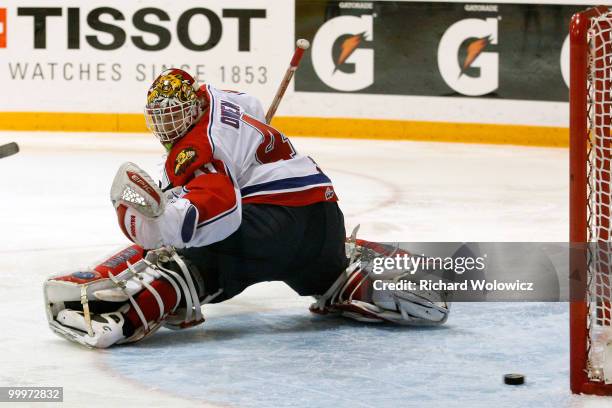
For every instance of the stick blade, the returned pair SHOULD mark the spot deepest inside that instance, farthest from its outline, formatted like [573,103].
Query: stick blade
[8,149]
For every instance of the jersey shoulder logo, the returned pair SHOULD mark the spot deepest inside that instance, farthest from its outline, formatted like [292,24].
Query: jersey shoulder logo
[184,159]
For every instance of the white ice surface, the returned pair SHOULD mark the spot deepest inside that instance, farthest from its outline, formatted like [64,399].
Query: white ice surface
[263,348]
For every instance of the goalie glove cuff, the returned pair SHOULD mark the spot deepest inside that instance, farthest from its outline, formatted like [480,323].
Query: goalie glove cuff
[175,227]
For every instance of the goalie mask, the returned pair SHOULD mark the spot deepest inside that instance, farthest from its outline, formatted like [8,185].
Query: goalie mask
[173,105]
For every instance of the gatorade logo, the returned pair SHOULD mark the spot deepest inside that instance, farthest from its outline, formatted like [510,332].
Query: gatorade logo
[338,55]
[464,58]
[565,61]
[2,28]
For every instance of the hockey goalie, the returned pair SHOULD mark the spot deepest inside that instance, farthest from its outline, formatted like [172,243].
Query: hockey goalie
[236,205]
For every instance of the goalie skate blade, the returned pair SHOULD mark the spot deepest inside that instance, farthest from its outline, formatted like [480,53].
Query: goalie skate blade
[8,149]
[514,379]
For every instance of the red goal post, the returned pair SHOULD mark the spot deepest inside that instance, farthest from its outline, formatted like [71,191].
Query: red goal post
[590,212]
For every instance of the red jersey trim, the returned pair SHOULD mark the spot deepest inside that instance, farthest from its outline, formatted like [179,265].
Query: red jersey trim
[295,198]
[213,195]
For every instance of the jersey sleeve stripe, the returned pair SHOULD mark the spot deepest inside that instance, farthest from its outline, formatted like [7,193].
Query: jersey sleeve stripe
[218,217]
[287,184]
[211,117]
[295,198]
[165,183]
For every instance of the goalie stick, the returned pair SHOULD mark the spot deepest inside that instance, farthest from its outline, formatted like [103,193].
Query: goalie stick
[302,45]
[8,149]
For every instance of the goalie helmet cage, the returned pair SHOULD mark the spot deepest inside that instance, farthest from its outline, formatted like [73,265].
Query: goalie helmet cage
[590,177]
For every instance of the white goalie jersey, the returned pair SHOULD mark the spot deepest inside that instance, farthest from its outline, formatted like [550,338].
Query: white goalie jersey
[229,158]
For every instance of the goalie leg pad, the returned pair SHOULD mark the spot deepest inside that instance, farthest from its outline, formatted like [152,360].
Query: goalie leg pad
[353,294]
[355,298]
[125,299]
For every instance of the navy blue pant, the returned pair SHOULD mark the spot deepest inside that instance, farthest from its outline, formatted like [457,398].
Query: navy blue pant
[301,246]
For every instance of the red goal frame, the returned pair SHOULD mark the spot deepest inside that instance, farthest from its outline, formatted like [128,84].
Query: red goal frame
[581,139]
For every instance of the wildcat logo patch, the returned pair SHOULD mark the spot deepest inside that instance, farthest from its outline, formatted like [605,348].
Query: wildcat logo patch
[184,159]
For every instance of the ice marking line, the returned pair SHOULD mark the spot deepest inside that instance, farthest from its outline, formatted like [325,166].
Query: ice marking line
[394,197]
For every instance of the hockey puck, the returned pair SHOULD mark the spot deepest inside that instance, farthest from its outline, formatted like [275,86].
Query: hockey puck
[514,379]
[8,149]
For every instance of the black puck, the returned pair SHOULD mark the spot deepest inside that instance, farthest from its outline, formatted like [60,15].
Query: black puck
[514,379]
